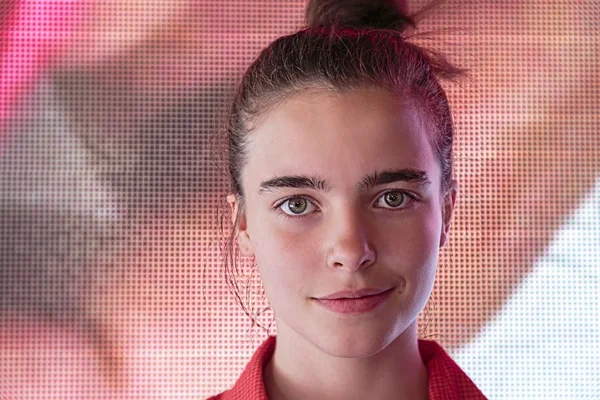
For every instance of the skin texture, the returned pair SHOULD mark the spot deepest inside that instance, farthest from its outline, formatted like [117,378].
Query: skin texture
[347,238]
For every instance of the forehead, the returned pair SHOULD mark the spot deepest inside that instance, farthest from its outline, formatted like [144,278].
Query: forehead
[339,135]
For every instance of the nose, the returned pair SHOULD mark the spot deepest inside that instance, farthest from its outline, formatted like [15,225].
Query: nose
[349,242]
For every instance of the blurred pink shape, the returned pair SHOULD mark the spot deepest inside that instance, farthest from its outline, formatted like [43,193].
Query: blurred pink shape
[34,36]
[43,34]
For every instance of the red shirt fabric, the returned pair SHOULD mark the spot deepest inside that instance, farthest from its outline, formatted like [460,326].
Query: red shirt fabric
[446,380]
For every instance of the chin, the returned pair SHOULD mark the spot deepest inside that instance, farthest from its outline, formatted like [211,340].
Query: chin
[353,341]
[350,346]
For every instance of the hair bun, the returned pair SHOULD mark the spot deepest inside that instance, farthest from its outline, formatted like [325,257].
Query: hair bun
[375,14]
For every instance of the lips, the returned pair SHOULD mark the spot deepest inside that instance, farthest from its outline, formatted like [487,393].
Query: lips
[362,301]
[353,293]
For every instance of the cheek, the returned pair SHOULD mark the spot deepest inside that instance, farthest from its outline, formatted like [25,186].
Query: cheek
[413,246]
[287,262]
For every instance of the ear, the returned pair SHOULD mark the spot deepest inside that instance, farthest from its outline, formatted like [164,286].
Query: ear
[238,217]
[447,210]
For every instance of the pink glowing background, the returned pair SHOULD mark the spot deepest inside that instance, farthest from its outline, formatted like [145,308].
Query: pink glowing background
[110,269]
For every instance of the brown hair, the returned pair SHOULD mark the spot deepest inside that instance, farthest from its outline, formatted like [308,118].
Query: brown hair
[346,45]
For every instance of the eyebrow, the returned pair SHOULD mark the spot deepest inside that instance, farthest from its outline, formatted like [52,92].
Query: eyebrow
[370,181]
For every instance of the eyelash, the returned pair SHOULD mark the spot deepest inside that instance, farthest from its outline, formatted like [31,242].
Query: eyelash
[412,199]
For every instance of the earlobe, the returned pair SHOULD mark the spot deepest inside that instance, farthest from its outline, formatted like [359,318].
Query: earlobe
[447,211]
[238,219]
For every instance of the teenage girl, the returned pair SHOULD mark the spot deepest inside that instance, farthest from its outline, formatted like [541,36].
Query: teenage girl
[340,160]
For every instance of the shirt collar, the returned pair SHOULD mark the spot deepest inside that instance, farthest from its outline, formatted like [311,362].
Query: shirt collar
[446,379]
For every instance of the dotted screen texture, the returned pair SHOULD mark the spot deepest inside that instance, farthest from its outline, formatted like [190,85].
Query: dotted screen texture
[112,253]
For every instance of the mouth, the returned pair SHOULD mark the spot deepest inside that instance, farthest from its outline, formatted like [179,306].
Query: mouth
[354,294]
[355,305]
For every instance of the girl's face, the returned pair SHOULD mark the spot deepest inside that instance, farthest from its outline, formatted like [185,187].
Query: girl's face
[343,192]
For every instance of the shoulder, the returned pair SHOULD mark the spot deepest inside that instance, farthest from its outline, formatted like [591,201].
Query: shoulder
[250,384]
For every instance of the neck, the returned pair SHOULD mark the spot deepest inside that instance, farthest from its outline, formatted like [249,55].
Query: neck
[300,370]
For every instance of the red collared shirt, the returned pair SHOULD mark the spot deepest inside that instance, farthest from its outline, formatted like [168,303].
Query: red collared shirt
[446,380]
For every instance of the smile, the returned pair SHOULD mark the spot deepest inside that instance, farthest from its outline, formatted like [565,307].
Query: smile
[357,305]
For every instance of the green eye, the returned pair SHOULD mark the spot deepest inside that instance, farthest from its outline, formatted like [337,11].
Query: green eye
[395,199]
[297,205]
